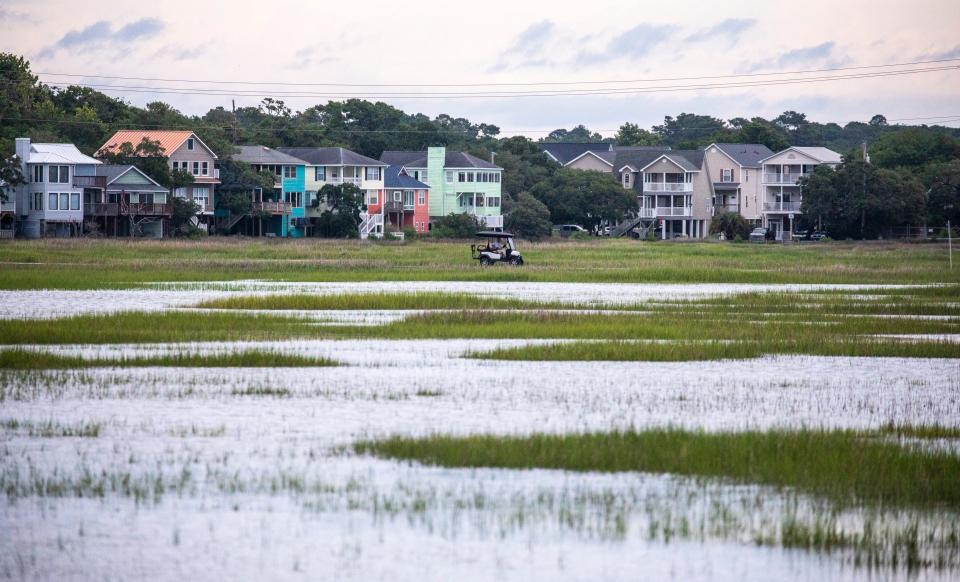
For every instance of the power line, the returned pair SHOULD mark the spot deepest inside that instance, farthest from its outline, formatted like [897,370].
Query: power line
[515,84]
[517,94]
[686,129]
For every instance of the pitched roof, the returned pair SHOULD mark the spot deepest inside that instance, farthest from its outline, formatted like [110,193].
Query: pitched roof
[821,154]
[396,177]
[745,154]
[57,153]
[689,160]
[419,160]
[258,154]
[114,171]
[565,153]
[330,157]
[170,140]
[606,157]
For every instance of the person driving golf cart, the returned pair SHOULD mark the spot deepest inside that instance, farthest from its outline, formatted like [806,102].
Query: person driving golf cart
[498,247]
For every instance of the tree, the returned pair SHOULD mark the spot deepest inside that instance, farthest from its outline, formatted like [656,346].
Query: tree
[455,226]
[859,200]
[578,134]
[528,218]
[688,130]
[11,175]
[759,130]
[731,224]
[585,198]
[344,204]
[182,213]
[878,120]
[630,134]
[913,148]
[148,157]
[523,163]
[943,199]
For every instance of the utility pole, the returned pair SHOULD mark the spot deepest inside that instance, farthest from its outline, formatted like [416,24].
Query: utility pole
[950,243]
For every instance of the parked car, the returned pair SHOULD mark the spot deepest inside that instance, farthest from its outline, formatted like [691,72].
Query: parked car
[817,235]
[566,230]
[758,234]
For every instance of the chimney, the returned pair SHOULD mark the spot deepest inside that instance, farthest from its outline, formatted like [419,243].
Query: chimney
[23,151]
[493,157]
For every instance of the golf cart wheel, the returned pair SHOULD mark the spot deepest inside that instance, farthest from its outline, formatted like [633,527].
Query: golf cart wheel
[485,261]
[517,261]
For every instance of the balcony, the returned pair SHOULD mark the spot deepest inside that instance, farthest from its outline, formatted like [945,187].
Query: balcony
[787,178]
[782,207]
[674,211]
[101,209]
[667,187]
[273,207]
[393,206]
[647,213]
[90,182]
[143,209]
[344,180]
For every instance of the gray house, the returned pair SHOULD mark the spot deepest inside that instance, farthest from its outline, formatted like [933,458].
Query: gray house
[131,203]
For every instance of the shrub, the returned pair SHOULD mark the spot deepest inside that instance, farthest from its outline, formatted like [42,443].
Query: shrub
[529,218]
[731,224]
[455,226]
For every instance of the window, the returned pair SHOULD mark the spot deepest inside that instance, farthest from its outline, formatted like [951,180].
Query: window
[746,175]
[38,200]
[190,144]
[461,176]
[469,176]
[496,177]
[449,177]
[196,168]
[373,197]
[334,174]
[408,198]
[160,198]
[201,196]
[626,179]
[726,175]
[64,201]
[493,201]
[295,199]
[52,205]
[180,192]
[204,168]
[397,195]
[74,201]
[38,174]
[373,173]
[59,174]
[479,200]
[421,197]
[320,174]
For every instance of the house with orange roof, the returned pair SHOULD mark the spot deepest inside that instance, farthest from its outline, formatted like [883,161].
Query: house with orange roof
[184,151]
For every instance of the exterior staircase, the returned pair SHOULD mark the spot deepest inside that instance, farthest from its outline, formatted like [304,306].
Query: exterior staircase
[371,224]
[643,222]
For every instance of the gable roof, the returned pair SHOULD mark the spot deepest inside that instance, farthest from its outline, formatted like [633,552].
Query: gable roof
[331,156]
[58,153]
[564,152]
[170,140]
[419,160]
[258,154]
[114,171]
[745,154]
[605,157]
[396,177]
[689,160]
[820,154]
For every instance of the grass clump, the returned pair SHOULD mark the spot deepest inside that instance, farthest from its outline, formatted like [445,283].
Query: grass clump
[19,359]
[845,466]
[52,429]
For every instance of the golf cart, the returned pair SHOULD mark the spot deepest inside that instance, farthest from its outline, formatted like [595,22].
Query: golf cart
[496,247]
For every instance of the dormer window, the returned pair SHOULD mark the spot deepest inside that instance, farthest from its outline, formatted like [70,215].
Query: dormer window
[626,179]
[190,144]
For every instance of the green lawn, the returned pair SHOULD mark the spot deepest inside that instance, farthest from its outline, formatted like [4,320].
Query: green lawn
[91,264]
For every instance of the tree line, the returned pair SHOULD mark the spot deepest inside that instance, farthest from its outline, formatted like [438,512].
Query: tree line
[536,192]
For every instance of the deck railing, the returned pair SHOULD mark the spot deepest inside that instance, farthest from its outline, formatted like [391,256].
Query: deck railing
[90,182]
[781,206]
[273,207]
[101,209]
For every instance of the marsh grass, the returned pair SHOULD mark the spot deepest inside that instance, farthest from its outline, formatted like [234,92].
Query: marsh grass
[19,359]
[51,428]
[844,466]
[381,301]
[90,264]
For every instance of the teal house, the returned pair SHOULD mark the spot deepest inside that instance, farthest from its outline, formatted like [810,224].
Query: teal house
[459,183]
[285,204]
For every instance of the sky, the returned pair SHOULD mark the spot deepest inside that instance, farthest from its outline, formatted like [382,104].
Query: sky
[518,41]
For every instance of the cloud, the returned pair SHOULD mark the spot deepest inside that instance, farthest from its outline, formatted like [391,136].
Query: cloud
[632,44]
[312,55]
[821,54]
[953,53]
[730,29]
[527,49]
[101,34]
[180,53]
[17,16]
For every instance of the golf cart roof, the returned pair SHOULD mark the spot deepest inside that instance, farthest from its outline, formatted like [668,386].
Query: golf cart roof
[494,234]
